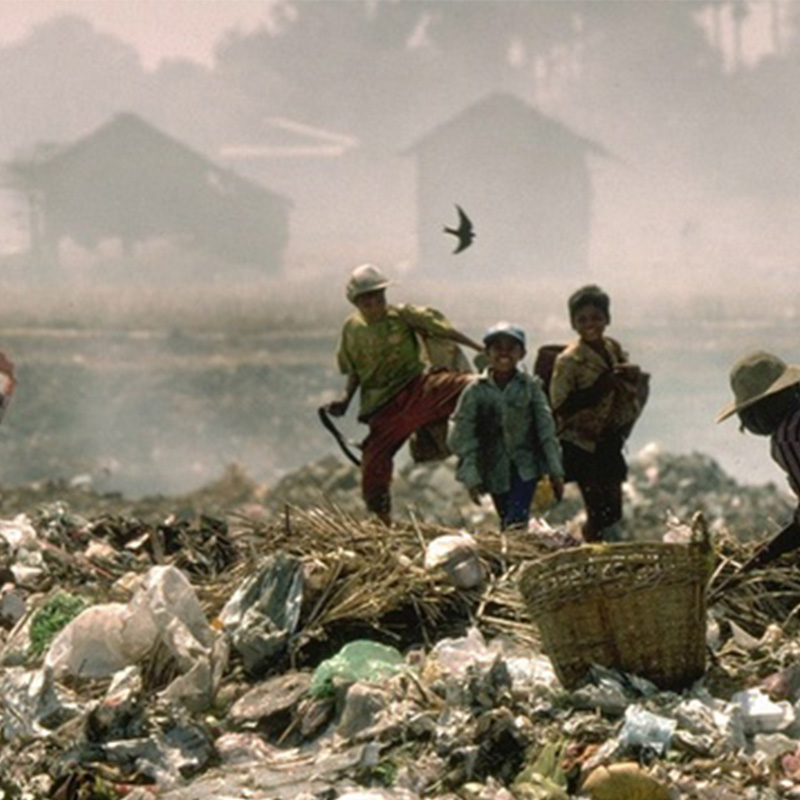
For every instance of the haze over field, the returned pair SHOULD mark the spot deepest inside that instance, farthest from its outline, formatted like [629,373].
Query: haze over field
[685,115]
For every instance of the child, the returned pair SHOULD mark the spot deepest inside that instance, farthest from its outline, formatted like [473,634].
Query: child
[595,400]
[379,352]
[503,432]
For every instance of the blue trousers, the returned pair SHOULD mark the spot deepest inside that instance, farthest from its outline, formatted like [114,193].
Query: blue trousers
[514,506]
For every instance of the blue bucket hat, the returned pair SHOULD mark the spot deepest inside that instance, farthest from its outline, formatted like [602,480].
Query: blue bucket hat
[504,329]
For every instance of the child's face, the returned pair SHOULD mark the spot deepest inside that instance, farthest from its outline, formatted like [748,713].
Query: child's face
[590,322]
[504,354]
[372,305]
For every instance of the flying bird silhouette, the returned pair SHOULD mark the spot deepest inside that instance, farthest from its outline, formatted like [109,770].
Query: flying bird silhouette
[463,232]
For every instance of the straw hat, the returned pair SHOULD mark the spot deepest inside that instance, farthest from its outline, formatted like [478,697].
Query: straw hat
[756,376]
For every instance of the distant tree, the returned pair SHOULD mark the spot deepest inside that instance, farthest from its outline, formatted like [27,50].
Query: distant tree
[328,64]
[191,102]
[657,85]
[62,80]
[388,69]
[650,75]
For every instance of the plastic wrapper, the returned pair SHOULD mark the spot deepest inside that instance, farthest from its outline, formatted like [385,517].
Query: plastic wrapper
[359,660]
[107,638]
[29,565]
[544,498]
[647,731]
[457,555]
[264,611]
[762,715]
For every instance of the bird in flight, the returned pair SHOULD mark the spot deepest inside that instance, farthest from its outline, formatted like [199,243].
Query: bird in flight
[463,232]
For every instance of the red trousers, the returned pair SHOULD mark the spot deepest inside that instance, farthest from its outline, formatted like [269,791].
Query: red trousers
[428,398]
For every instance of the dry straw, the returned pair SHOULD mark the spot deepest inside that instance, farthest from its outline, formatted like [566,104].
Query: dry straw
[361,576]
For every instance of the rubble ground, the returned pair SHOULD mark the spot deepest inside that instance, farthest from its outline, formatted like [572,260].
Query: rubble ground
[257,642]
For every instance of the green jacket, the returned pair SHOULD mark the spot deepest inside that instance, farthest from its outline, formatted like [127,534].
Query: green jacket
[493,428]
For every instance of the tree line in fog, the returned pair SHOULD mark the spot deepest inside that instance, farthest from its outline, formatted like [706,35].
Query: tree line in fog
[650,78]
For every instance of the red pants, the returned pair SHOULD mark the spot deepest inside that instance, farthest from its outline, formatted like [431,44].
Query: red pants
[428,398]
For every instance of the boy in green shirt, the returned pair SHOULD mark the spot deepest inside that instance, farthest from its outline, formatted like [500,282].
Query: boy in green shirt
[379,352]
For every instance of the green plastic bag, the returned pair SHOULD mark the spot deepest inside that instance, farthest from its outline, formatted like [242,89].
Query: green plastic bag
[361,660]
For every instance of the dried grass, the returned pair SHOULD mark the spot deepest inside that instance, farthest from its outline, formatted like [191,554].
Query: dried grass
[362,576]
[756,598]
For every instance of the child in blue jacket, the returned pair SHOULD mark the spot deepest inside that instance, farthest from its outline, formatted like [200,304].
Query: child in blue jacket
[503,432]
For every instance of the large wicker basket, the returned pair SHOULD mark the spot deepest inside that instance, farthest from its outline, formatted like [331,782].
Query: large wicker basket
[639,607]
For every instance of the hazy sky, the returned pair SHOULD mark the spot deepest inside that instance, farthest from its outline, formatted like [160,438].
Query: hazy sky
[190,28]
[157,28]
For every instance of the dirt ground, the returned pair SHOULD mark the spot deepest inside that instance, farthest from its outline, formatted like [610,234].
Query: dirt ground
[164,410]
[162,413]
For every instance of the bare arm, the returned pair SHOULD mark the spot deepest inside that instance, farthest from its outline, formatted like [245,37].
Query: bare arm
[461,338]
[431,322]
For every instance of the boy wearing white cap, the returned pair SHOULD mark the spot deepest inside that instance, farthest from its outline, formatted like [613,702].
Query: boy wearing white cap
[379,352]
[503,431]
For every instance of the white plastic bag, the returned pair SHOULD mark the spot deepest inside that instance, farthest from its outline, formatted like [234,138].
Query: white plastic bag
[107,638]
[644,729]
[457,554]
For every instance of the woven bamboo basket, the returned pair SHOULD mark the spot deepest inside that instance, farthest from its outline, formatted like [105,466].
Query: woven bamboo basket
[639,607]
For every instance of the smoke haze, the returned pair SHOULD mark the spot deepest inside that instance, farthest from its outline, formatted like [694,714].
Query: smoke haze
[653,151]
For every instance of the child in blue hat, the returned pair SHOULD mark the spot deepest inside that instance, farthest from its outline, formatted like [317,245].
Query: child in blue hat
[503,431]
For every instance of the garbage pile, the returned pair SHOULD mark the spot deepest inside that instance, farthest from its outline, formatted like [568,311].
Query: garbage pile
[303,651]
[660,486]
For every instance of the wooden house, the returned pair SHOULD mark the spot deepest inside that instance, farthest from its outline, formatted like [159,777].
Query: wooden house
[521,177]
[130,182]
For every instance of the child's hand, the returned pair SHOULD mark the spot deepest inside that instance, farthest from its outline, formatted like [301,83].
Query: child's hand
[629,372]
[606,381]
[476,494]
[338,408]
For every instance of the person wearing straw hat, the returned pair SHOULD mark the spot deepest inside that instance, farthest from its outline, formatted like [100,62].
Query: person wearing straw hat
[381,355]
[766,398]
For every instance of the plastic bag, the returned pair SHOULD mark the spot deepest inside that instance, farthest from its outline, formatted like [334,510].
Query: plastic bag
[642,729]
[29,564]
[106,638]
[544,498]
[264,611]
[457,554]
[760,714]
[357,661]
[455,656]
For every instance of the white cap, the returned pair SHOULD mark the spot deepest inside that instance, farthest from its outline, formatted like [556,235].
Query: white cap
[366,278]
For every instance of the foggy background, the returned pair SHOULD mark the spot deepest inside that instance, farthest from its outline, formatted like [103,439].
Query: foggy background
[651,147]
